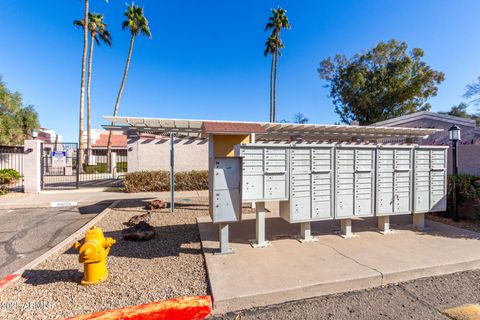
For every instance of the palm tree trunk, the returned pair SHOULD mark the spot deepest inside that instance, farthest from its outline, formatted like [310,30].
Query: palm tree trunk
[271,91]
[117,104]
[89,82]
[275,87]
[82,87]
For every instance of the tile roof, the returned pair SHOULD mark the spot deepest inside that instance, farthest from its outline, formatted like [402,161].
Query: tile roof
[118,140]
[232,127]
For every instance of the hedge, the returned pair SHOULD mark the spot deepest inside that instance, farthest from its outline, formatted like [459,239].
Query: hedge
[146,181]
[7,178]
[102,167]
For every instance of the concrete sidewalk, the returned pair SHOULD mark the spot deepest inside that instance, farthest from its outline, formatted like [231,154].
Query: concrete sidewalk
[47,199]
[290,270]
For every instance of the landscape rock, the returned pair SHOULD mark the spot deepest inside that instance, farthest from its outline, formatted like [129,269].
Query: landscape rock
[156,204]
[139,218]
[139,232]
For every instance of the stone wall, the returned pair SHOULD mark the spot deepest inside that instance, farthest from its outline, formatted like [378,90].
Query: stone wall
[153,153]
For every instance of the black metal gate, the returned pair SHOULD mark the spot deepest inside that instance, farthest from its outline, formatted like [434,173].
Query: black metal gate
[61,167]
[59,163]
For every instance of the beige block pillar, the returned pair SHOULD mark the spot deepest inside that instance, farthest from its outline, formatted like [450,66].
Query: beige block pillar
[384,224]
[419,221]
[32,174]
[346,228]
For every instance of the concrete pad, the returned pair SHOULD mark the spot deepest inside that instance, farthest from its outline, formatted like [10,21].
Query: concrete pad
[290,270]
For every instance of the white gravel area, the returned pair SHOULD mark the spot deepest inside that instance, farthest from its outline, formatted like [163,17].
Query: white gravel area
[169,266]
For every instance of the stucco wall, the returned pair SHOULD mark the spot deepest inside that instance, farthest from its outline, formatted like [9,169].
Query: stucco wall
[468,159]
[148,153]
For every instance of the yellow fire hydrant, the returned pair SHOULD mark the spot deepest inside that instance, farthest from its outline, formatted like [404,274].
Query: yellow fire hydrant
[93,251]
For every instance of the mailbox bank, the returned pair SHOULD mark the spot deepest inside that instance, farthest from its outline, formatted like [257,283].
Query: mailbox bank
[354,175]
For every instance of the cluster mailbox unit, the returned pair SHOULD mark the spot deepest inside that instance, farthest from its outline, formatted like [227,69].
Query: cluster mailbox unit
[328,181]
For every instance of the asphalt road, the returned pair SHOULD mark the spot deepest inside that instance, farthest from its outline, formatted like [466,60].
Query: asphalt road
[25,234]
[424,299]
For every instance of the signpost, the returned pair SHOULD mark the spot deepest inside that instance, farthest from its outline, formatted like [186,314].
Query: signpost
[59,159]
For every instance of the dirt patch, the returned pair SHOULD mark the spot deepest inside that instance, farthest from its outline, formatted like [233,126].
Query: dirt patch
[171,265]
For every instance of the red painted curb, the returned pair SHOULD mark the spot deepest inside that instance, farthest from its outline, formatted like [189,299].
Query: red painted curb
[187,308]
[8,280]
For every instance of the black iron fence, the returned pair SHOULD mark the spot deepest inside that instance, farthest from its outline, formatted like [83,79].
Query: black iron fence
[11,157]
[59,162]
[99,170]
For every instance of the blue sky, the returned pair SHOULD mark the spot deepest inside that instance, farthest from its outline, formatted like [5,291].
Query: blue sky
[205,60]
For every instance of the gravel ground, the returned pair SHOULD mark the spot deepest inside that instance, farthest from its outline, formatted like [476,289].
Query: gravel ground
[169,266]
[470,224]
[424,299]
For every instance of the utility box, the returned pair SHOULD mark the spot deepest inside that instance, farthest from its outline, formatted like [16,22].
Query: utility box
[226,201]
[354,181]
[430,184]
[394,180]
[310,184]
[265,172]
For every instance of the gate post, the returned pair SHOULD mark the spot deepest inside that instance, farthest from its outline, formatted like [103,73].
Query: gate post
[32,169]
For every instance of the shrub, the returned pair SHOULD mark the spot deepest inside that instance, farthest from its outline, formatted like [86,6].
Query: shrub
[7,178]
[468,188]
[146,181]
[102,167]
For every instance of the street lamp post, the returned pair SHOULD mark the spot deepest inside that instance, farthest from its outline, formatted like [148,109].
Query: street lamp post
[454,135]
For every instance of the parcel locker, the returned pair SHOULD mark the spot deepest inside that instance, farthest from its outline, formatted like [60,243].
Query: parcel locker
[394,180]
[354,181]
[226,202]
[264,171]
[430,179]
[310,184]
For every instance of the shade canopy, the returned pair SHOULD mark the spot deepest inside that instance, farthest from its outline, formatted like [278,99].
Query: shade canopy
[263,130]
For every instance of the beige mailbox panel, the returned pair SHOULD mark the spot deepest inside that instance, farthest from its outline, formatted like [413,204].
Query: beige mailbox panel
[311,187]
[354,181]
[264,172]
[394,180]
[430,184]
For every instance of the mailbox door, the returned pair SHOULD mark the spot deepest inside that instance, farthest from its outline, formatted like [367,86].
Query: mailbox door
[345,182]
[422,180]
[275,186]
[364,178]
[275,160]
[227,205]
[403,182]
[300,208]
[385,181]
[252,187]
[322,195]
[227,173]
[438,199]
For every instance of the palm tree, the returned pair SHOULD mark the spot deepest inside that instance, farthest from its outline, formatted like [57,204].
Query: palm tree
[137,24]
[276,23]
[98,33]
[82,86]
[270,48]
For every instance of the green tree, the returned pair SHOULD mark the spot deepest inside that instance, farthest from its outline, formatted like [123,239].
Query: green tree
[276,23]
[460,110]
[382,83]
[17,120]
[98,33]
[300,118]
[137,24]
